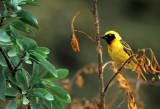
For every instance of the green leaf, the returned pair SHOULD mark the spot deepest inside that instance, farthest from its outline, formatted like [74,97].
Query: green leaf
[24,92]
[2,60]
[47,104]
[2,83]
[46,75]
[15,60]
[39,85]
[13,80]
[39,52]
[19,25]
[6,43]
[47,82]
[13,30]
[62,94]
[10,91]
[49,67]
[12,53]
[44,49]
[43,93]
[25,100]
[14,3]
[20,44]
[28,62]
[37,106]
[12,105]
[25,75]
[49,97]
[19,79]
[26,57]
[28,3]
[38,56]
[35,74]
[4,37]
[57,104]
[5,12]
[27,18]
[8,4]
[62,73]
[28,43]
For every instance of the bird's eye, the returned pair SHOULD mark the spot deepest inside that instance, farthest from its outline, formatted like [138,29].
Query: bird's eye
[112,35]
[109,34]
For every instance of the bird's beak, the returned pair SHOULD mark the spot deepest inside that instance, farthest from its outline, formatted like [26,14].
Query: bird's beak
[103,37]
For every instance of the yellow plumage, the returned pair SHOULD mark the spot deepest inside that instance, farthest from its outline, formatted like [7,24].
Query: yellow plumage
[120,51]
[117,53]
[116,49]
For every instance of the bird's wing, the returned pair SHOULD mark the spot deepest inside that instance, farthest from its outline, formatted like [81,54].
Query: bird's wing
[127,49]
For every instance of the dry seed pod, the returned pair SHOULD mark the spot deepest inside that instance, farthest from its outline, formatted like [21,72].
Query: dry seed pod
[79,81]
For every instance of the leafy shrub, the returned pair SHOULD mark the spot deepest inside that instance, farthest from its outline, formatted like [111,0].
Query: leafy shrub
[18,86]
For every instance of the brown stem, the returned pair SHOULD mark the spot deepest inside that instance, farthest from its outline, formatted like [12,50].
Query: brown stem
[118,71]
[18,64]
[10,66]
[1,22]
[121,103]
[85,35]
[99,54]
[72,26]
[7,61]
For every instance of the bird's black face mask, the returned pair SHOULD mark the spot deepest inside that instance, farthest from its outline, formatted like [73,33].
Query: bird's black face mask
[109,38]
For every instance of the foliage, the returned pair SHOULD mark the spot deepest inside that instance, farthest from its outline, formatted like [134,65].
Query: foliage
[28,89]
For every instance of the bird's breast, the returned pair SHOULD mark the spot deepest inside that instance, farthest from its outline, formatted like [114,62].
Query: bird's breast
[116,52]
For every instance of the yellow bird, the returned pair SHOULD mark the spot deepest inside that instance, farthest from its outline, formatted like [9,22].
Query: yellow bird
[119,50]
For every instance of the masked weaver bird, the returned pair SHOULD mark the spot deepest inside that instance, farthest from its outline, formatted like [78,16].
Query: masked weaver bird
[119,50]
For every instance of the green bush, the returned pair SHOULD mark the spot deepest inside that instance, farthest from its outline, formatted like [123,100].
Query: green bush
[22,88]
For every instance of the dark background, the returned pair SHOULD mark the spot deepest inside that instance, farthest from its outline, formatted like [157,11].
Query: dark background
[137,21]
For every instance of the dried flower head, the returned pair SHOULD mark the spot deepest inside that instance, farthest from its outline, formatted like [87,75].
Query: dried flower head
[74,43]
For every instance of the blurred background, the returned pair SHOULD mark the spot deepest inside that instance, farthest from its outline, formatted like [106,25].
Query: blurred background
[137,21]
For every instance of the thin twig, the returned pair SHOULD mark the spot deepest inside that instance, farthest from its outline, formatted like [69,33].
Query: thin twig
[109,62]
[118,71]
[85,35]
[1,23]
[9,64]
[99,54]
[137,89]
[72,26]
[7,61]
[137,92]
[121,103]
[20,62]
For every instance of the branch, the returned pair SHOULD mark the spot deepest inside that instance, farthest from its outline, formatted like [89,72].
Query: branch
[85,35]
[11,68]
[8,61]
[99,54]
[121,103]
[20,62]
[1,21]
[118,71]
